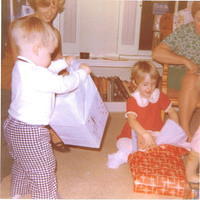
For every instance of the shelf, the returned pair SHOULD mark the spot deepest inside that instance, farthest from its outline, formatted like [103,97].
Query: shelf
[116,63]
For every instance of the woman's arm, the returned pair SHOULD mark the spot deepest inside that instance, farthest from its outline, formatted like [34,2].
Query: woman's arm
[162,53]
[58,52]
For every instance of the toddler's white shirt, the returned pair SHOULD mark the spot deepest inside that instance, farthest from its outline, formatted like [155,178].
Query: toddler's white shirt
[34,88]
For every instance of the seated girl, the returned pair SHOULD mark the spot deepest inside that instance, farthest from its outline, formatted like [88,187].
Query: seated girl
[144,127]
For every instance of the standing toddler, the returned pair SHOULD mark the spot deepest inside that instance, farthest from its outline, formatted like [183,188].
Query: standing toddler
[35,81]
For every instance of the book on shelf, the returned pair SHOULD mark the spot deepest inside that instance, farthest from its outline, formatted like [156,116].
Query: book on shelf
[96,80]
[109,89]
[103,86]
[116,94]
[129,86]
[121,87]
[113,89]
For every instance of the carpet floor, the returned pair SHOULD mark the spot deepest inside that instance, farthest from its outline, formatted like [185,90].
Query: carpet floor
[82,173]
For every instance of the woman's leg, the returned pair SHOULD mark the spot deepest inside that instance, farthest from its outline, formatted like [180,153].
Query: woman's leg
[188,99]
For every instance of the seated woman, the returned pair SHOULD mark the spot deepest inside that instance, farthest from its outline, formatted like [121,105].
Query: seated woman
[181,48]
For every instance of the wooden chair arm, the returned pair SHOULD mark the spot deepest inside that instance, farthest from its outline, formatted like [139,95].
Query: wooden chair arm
[164,79]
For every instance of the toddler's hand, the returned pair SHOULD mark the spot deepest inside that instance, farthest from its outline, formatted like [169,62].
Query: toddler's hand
[69,59]
[85,67]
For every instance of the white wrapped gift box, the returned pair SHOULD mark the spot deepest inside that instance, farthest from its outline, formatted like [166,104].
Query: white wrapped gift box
[80,116]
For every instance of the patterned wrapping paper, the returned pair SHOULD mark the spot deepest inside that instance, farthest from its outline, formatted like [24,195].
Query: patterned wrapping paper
[160,171]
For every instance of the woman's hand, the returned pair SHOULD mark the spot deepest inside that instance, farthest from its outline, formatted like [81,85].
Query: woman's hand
[192,67]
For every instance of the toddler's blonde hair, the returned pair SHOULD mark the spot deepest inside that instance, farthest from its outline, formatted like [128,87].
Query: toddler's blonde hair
[141,69]
[46,3]
[32,31]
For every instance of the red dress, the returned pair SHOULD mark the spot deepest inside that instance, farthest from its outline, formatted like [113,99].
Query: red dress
[149,117]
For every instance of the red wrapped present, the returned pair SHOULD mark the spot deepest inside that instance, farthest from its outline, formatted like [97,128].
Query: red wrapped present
[160,171]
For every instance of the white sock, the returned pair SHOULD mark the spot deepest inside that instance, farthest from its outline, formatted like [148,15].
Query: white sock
[117,159]
[124,146]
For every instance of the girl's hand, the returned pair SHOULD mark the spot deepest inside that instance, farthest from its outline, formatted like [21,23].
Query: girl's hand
[141,142]
[189,139]
[149,141]
[69,59]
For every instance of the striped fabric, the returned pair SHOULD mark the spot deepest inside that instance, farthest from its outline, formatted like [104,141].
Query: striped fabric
[33,170]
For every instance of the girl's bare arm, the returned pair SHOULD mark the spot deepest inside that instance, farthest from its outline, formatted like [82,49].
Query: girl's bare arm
[136,126]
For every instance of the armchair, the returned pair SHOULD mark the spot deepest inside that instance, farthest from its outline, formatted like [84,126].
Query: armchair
[168,23]
[173,95]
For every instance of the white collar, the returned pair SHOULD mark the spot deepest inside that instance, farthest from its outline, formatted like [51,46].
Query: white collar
[143,102]
[25,59]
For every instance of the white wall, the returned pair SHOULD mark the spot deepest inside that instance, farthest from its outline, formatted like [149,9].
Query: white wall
[95,26]
[99,33]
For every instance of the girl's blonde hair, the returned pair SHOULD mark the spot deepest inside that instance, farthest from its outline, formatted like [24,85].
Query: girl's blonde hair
[46,3]
[32,30]
[141,69]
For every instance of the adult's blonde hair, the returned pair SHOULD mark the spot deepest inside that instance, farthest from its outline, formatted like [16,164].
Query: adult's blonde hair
[31,30]
[46,3]
[195,7]
[141,69]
